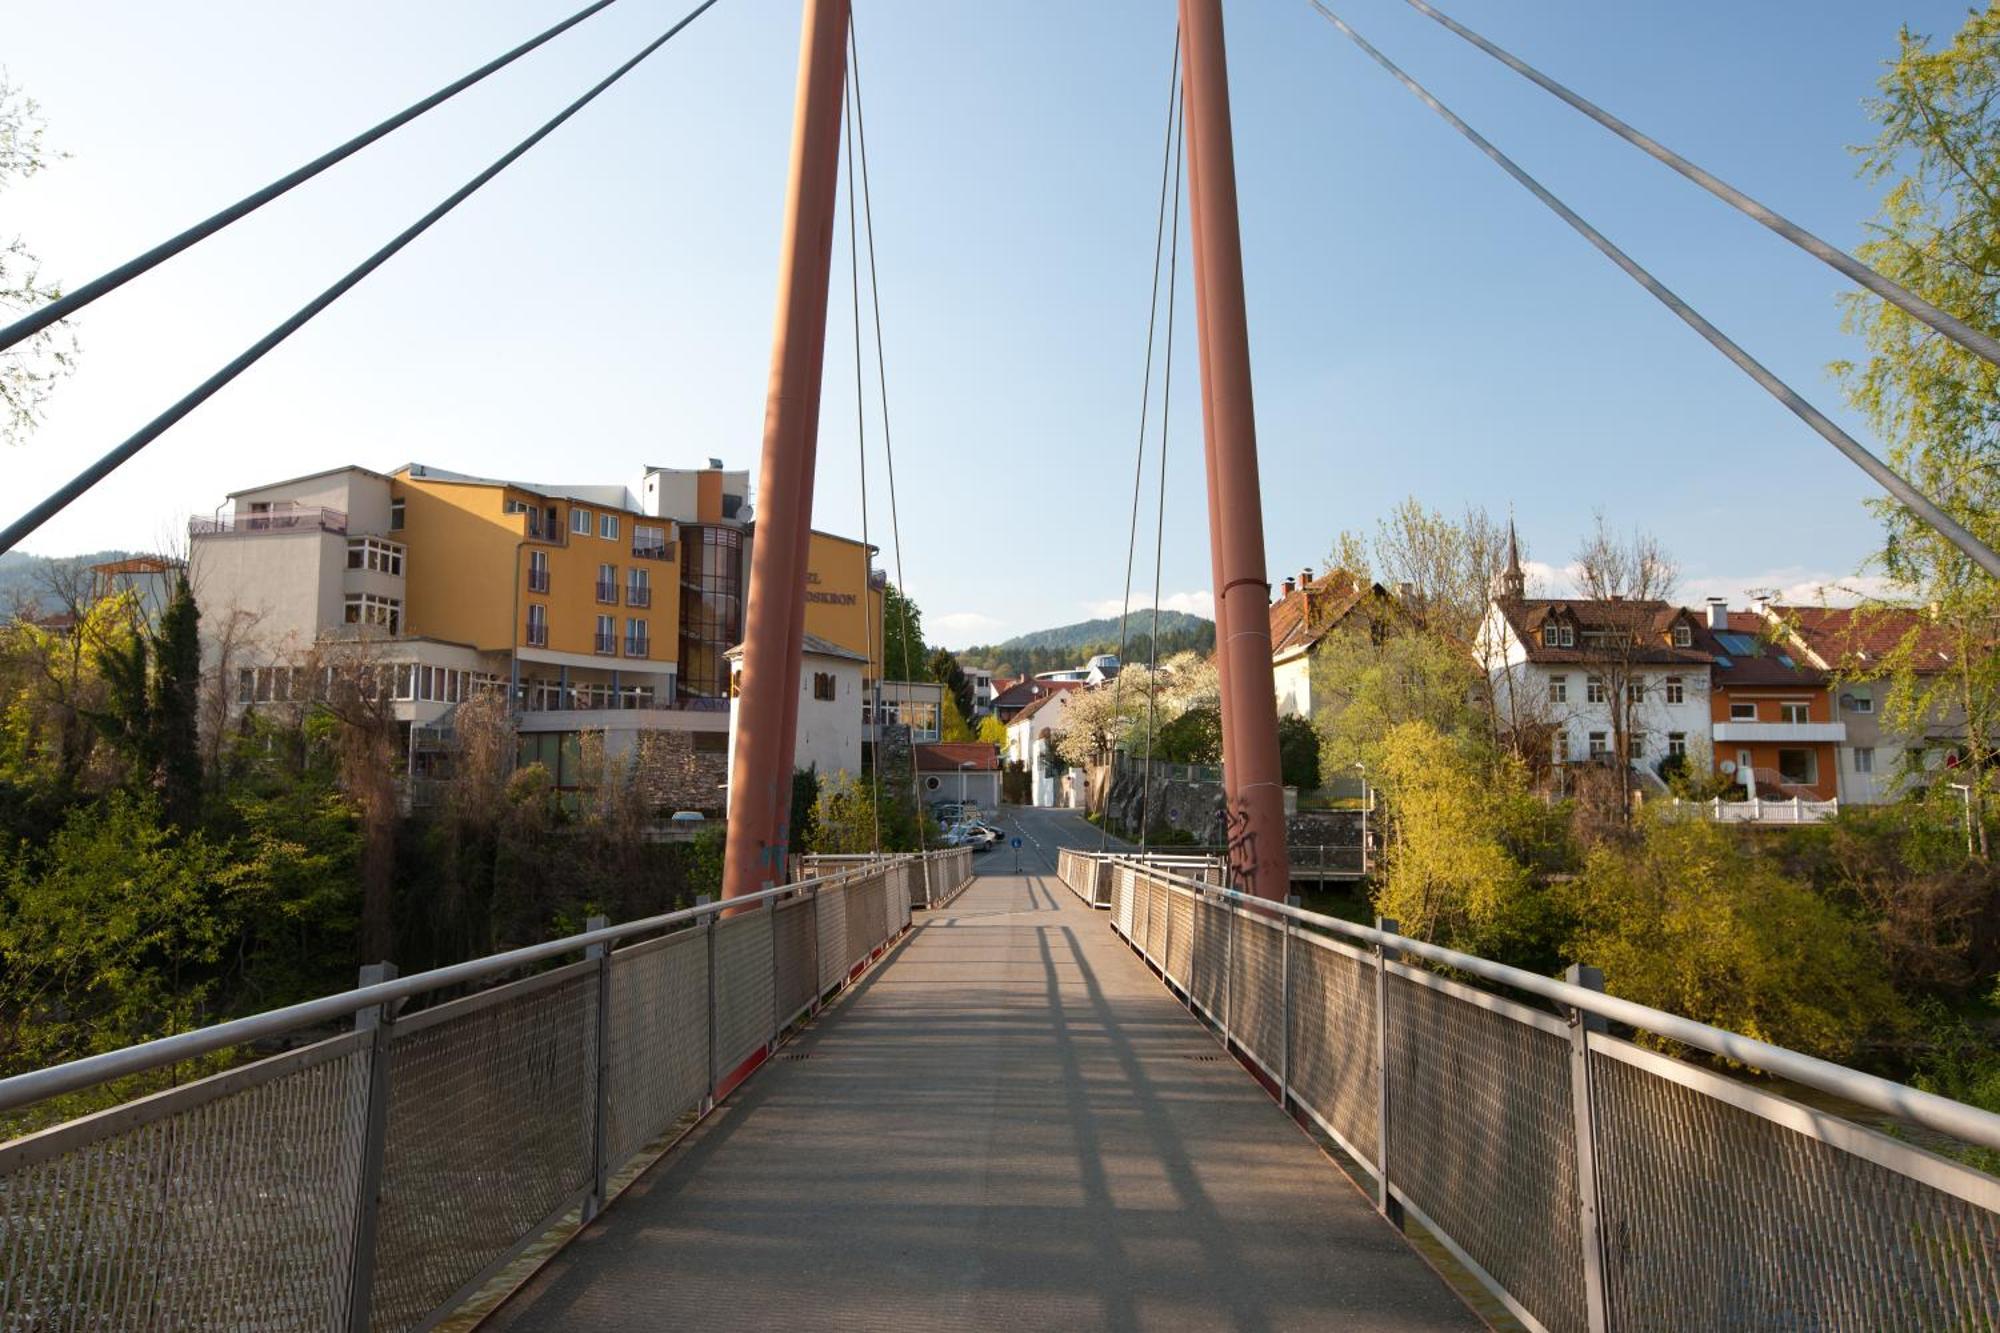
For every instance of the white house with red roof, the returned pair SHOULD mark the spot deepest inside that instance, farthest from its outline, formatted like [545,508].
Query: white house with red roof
[1030,740]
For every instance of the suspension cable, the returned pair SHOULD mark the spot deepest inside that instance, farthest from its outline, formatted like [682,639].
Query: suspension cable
[1973,340]
[62,308]
[153,429]
[861,450]
[888,439]
[1139,460]
[1888,478]
[1160,513]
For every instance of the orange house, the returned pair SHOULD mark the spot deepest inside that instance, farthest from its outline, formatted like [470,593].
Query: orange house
[1772,714]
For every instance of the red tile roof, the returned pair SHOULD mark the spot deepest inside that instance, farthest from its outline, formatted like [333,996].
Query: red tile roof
[1302,617]
[946,756]
[1859,638]
[1055,690]
[1773,662]
[1651,621]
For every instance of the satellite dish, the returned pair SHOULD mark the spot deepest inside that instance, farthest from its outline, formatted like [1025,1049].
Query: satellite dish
[1728,766]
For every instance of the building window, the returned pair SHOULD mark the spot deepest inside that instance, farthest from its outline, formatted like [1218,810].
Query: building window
[395,515]
[1569,636]
[1800,767]
[607,635]
[638,587]
[1677,744]
[635,637]
[1676,690]
[649,541]
[372,553]
[1858,703]
[607,584]
[607,527]
[823,685]
[1683,637]
[538,625]
[579,521]
[404,688]
[1599,748]
[1549,635]
[711,608]
[246,686]
[365,608]
[538,571]
[1864,759]
[1559,747]
[1635,746]
[1593,689]
[1743,712]
[1635,690]
[1558,689]
[1795,713]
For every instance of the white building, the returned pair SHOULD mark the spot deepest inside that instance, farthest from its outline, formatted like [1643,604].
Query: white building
[982,689]
[1029,741]
[966,771]
[828,738]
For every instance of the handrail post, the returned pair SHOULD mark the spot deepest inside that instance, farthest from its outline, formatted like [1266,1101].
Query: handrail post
[1581,1025]
[1389,1205]
[1228,968]
[819,986]
[378,1022]
[714,1019]
[1285,1006]
[600,1047]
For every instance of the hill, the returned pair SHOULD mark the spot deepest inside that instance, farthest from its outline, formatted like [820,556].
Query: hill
[1071,645]
[24,578]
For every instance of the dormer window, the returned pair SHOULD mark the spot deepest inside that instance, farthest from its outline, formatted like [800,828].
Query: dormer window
[1569,636]
[1683,636]
[1549,633]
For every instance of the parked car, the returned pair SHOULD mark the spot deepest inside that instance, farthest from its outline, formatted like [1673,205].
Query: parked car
[978,838]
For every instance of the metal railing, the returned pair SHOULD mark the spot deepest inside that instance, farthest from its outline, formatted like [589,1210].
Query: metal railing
[931,880]
[278,518]
[1089,874]
[1588,1182]
[378,1178]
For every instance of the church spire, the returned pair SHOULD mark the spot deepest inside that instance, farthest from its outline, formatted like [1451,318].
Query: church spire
[1512,584]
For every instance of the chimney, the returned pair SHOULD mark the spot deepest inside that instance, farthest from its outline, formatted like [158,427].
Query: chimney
[1718,613]
[1305,576]
[1290,587]
[1406,593]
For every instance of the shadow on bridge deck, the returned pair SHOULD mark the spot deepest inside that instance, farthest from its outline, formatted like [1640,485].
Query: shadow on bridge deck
[1010,1124]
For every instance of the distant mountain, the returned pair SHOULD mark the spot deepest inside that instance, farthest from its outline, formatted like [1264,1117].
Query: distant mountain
[24,578]
[1070,645]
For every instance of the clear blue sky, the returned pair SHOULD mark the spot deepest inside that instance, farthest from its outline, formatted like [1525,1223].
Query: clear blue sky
[1418,323]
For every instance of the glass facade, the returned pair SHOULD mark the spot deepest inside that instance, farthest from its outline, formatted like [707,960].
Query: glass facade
[711,608]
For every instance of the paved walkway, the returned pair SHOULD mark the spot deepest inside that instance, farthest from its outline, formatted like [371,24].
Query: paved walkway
[1008,1125]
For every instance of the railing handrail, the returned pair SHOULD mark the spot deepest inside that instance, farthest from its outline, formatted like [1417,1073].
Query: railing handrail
[87,1071]
[1942,1114]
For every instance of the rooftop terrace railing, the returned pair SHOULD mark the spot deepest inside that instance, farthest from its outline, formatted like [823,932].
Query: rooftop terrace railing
[1587,1181]
[379,1177]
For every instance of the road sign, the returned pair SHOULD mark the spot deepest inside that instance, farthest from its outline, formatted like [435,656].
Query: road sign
[1015,844]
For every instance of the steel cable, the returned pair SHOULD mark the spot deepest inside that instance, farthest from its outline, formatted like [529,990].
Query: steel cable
[861,449]
[1160,514]
[153,429]
[37,320]
[1888,478]
[1973,340]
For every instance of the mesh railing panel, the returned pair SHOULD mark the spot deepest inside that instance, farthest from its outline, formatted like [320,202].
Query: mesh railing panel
[491,1118]
[1333,1041]
[864,918]
[659,1039]
[1481,1138]
[1121,900]
[1716,1217]
[237,1212]
[1180,938]
[833,955]
[1211,958]
[798,970]
[1256,1013]
[743,987]
[1156,921]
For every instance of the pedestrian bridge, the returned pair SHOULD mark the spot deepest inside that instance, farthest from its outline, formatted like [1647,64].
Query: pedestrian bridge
[1101,1093]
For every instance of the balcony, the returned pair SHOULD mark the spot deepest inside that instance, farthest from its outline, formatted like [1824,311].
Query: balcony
[538,579]
[637,647]
[638,596]
[278,518]
[538,634]
[1782,733]
[607,645]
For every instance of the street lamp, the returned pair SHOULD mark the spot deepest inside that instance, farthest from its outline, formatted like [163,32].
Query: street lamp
[1964,790]
[1367,800]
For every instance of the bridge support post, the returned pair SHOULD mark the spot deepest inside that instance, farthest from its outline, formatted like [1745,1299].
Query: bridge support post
[1581,1025]
[760,768]
[1389,1205]
[1255,791]
[378,1023]
[600,1048]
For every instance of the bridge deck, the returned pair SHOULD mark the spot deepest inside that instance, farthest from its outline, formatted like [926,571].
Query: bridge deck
[1009,1124]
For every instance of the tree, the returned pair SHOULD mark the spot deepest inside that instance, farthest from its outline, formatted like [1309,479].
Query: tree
[1195,737]
[902,635]
[30,370]
[1691,920]
[1936,404]
[952,725]
[1446,566]
[1298,753]
[946,671]
[992,731]
[1627,578]
[1363,690]
[175,704]
[805,807]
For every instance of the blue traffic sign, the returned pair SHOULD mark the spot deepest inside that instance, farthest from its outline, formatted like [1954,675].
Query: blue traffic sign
[1014,843]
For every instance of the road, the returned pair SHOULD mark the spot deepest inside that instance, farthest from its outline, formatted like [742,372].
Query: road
[1008,1124]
